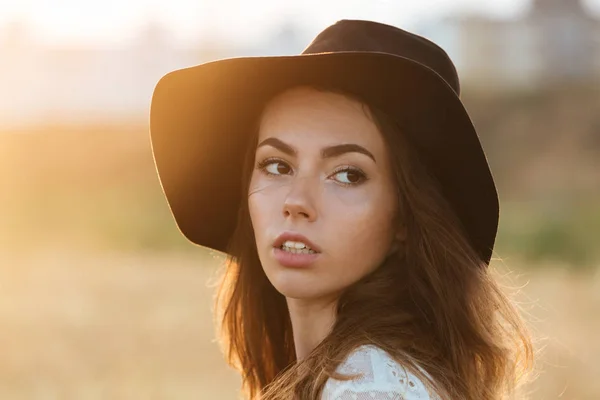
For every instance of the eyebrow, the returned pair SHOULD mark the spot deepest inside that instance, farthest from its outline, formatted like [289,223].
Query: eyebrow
[327,152]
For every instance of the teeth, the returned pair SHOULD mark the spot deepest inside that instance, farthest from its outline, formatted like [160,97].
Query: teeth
[298,251]
[297,247]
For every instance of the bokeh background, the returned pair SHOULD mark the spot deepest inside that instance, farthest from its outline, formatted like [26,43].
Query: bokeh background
[102,298]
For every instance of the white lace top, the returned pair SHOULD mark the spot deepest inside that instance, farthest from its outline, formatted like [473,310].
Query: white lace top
[382,379]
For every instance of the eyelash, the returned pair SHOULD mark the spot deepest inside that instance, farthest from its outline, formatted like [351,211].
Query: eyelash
[262,166]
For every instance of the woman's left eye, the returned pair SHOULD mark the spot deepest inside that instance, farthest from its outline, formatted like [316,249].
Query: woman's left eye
[350,176]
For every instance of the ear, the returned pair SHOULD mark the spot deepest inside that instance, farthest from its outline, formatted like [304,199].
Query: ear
[399,239]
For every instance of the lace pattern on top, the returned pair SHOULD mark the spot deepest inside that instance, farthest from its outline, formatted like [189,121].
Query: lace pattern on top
[382,379]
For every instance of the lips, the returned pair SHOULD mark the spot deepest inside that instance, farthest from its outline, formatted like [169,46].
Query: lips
[295,237]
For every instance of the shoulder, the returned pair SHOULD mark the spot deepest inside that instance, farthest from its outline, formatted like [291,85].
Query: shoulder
[381,378]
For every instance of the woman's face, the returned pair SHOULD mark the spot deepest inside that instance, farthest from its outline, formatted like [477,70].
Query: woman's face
[322,171]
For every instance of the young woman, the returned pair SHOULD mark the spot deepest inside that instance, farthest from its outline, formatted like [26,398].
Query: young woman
[348,187]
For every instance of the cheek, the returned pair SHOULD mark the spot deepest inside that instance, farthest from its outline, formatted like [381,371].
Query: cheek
[264,201]
[258,215]
[361,222]
[361,209]
[369,230]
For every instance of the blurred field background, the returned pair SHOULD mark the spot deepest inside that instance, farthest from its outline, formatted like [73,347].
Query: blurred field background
[102,298]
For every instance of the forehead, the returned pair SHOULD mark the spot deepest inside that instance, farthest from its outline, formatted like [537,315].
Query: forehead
[322,117]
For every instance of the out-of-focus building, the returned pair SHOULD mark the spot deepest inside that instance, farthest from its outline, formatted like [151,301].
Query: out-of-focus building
[556,40]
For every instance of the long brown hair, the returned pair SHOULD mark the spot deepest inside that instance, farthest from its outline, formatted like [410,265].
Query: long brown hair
[433,305]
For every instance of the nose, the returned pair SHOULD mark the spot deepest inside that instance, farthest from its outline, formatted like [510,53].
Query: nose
[300,201]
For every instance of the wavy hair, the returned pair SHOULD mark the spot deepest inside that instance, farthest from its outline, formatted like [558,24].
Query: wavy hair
[433,305]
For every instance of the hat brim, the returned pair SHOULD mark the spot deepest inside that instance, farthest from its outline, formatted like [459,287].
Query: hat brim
[201,118]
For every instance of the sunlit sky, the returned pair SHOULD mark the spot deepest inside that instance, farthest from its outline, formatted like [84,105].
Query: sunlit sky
[106,21]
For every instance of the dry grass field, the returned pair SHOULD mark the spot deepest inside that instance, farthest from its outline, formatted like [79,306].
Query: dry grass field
[126,326]
[84,325]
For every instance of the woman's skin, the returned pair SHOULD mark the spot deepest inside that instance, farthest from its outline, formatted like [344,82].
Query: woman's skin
[347,216]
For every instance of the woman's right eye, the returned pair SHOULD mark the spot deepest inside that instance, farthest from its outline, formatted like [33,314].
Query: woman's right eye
[274,167]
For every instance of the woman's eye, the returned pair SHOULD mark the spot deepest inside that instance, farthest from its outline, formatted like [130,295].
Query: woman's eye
[349,176]
[274,167]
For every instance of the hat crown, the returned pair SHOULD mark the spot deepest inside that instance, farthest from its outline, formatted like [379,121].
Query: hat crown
[368,36]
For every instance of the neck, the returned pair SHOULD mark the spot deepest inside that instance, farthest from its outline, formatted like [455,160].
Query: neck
[312,320]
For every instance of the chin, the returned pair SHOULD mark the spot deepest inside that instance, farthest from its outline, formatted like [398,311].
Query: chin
[297,284]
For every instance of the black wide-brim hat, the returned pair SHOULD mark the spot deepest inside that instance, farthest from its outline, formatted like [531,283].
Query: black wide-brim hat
[202,118]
